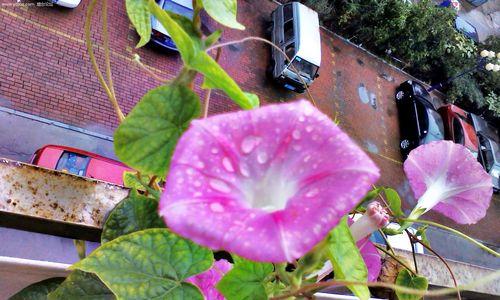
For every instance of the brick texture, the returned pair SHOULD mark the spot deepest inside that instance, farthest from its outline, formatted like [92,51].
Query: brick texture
[45,70]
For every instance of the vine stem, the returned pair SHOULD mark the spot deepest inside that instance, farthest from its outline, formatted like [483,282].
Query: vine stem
[90,50]
[412,243]
[256,38]
[415,238]
[105,34]
[137,60]
[434,293]
[464,236]
[206,103]
[396,259]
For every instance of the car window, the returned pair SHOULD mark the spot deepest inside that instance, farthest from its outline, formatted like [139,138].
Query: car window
[487,154]
[466,28]
[178,8]
[73,163]
[305,68]
[458,132]
[287,12]
[435,130]
[419,90]
[290,51]
[288,31]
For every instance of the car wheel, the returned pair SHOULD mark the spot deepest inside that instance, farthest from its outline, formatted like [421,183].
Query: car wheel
[405,144]
[400,95]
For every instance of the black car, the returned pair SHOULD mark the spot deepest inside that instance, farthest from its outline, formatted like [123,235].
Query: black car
[419,122]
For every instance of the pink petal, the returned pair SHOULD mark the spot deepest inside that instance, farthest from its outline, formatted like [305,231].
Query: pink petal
[266,184]
[371,257]
[463,189]
[207,280]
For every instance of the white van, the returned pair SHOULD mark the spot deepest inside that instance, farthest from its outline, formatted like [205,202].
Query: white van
[295,29]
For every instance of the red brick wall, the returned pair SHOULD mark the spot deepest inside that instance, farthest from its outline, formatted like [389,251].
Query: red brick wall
[45,70]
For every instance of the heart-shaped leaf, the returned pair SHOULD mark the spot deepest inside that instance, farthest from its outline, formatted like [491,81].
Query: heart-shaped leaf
[224,12]
[245,281]
[81,285]
[148,264]
[394,202]
[134,213]
[39,290]
[346,259]
[146,139]
[138,13]
[406,279]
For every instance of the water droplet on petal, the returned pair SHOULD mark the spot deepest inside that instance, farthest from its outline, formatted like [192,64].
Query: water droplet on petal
[214,150]
[216,207]
[296,134]
[309,128]
[302,119]
[219,185]
[249,143]
[226,163]
[262,157]
[244,169]
[307,158]
[312,193]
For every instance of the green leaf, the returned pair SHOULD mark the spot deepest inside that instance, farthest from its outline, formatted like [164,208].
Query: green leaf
[217,78]
[224,12]
[183,41]
[346,259]
[132,181]
[134,213]
[148,264]
[39,290]
[81,285]
[368,197]
[245,281]
[138,13]
[406,279]
[394,202]
[212,38]
[422,233]
[146,139]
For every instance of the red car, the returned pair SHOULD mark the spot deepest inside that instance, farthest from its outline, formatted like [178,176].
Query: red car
[79,162]
[458,127]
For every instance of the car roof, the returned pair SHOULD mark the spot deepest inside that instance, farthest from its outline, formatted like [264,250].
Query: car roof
[82,152]
[309,36]
[466,28]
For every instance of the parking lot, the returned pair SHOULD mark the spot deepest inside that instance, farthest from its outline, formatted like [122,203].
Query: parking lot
[45,72]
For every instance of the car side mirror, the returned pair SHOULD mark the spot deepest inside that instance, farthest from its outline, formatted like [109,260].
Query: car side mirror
[316,76]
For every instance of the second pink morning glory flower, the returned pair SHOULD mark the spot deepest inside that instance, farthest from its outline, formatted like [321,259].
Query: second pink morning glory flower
[266,184]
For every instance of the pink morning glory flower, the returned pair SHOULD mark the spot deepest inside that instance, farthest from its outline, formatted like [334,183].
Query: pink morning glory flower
[207,280]
[266,184]
[446,177]
[375,218]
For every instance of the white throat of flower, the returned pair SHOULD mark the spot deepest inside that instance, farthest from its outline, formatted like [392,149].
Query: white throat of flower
[432,196]
[271,192]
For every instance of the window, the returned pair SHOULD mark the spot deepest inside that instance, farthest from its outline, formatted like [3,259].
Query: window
[458,132]
[287,12]
[73,163]
[290,51]
[305,68]
[288,31]
[179,8]
[434,130]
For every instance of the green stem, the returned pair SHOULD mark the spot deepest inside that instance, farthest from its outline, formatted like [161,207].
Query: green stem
[464,236]
[434,293]
[90,50]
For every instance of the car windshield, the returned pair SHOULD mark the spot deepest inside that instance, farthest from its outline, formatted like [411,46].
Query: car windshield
[73,163]
[179,7]
[466,28]
[305,68]
[435,130]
